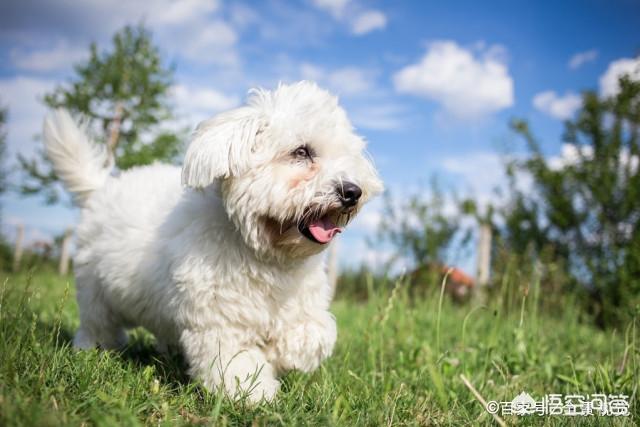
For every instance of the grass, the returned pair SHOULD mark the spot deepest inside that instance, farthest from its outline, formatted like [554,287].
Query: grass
[398,361]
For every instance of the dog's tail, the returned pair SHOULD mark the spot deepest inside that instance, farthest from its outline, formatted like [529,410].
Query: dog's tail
[82,165]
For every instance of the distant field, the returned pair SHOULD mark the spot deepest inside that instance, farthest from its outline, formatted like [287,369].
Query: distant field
[397,362]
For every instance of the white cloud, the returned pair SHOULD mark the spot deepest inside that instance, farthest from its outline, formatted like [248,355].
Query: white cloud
[368,106]
[368,21]
[242,16]
[211,42]
[343,81]
[360,21]
[369,219]
[378,116]
[181,12]
[22,95]
[351,80]
[98,18]
[571,154]
[467,85]
[560,107]
[481,171]
[59,57]
[482,174]
[334,7]
[199,103]
[609,80]
[192,29]
[312,72]
[581,58]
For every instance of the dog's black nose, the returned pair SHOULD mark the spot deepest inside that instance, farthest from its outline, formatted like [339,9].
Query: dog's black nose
[349,193]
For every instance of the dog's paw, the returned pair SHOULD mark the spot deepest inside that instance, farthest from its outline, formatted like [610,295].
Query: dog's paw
[304,346]
[110,339]
[258,387]
[83,340]
[263,390]
[239,374]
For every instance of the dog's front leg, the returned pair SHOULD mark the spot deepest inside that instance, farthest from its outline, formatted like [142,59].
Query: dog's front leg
[304,340]
[220,362]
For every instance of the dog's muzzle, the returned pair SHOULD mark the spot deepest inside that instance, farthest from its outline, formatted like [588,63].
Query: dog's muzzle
[323,229]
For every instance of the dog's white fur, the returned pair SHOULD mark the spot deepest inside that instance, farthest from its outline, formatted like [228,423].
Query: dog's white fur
[217,266]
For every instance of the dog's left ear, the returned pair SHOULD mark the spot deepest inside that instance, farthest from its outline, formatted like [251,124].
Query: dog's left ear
[221,147]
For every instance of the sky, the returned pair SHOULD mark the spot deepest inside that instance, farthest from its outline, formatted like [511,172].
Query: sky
[431,85]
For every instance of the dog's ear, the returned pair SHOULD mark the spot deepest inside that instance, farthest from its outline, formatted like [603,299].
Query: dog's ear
[221,147]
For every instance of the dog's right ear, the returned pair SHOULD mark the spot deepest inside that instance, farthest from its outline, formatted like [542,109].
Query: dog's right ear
[221,147]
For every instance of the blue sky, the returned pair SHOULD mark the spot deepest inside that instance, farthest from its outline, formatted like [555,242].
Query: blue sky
[431,85]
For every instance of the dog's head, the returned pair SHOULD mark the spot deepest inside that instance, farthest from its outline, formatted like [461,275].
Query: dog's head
[292,173]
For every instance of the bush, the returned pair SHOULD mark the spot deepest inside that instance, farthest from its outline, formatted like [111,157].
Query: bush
[583,213]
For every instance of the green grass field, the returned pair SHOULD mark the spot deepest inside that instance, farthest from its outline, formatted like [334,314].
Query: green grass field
[398,361]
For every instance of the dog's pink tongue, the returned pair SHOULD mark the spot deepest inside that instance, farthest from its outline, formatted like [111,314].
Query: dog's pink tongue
[324,229]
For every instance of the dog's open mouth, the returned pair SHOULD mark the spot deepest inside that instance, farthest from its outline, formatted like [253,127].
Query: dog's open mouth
[321,230]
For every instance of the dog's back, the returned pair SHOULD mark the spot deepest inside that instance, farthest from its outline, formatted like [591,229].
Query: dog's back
[121,219]
[120,244]
[120,214]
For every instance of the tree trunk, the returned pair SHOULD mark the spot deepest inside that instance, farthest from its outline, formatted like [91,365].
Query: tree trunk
[114,134]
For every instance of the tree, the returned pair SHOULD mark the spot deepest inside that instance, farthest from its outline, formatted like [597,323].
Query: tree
[6,253]
[123,93]
[419,228]
[586,209]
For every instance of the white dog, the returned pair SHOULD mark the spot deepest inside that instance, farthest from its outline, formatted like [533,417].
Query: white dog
[228,266]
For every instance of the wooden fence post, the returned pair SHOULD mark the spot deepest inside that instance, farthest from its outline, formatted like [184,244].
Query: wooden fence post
[63,267]
[18,248]
[332,266]
[484,255]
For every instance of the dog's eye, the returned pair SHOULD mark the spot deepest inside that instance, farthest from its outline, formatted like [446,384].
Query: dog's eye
[302,152]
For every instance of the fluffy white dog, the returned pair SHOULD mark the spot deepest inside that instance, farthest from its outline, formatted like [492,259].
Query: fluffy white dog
[226,264]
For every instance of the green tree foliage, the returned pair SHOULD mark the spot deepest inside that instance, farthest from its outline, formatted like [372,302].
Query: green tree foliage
[418,228]
[423,238]
[5,250]
[123,93]
[586,211]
